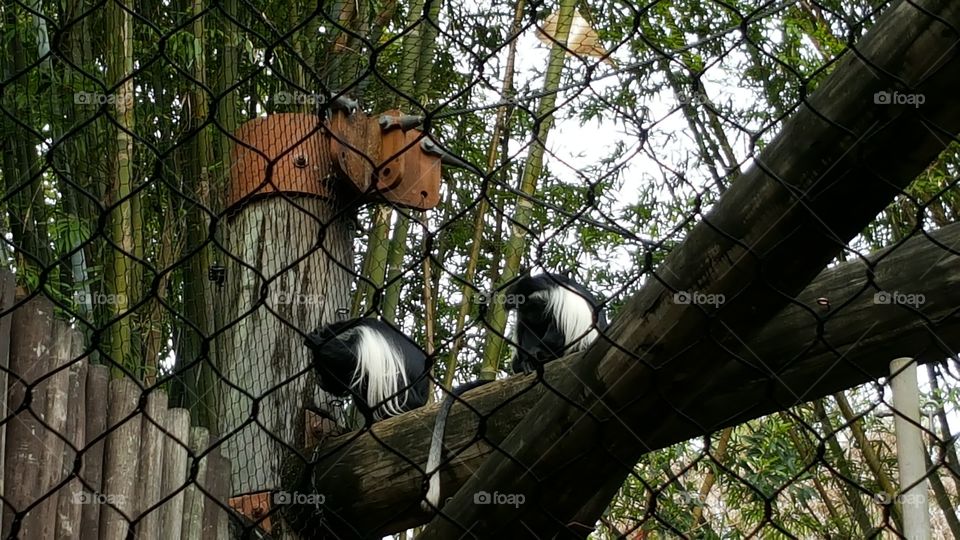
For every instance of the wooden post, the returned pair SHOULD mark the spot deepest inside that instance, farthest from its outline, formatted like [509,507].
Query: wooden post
[31,328]
[120,462]
[69,513]
[193,500]
[54,389]
[294,239]
[216,525]
[176,422]
[95,411]
[151,466]
[7,290]
[294,188]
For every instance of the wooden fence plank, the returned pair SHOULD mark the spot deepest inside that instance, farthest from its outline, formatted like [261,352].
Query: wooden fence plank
[176,422]
[95,413]
[194,499]
[7,290]
[120,460]
[215,523]
[30,330]
[53,430]
[151,466]
[69,509]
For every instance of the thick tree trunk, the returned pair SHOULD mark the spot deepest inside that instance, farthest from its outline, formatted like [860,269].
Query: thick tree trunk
[366,484]
[303,283]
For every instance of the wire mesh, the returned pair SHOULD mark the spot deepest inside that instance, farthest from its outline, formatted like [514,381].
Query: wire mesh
[176,221]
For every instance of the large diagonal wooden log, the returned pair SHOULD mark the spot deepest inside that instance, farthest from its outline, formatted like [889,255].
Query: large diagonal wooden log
[836,163]
[377,491]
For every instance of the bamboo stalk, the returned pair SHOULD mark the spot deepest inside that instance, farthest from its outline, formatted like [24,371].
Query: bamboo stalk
[517,242]
[416,67]
[852,495]
[869,453]
[500,125]
[120,272]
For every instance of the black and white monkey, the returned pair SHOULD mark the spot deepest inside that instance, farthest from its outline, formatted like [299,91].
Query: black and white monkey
[380,367]
[555,316]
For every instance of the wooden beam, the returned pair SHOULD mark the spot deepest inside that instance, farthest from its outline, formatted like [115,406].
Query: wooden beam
[370,490]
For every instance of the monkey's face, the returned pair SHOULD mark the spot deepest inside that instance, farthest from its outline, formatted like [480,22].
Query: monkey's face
[334,360]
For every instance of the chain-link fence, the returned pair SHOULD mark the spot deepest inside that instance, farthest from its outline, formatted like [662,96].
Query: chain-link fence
[201,198]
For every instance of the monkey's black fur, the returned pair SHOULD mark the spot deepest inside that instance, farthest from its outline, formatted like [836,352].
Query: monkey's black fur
[380,367]
[555,316]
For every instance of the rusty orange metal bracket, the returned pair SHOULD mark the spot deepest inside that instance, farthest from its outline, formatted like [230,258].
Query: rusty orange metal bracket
[278,153]
[415,178]
[254,506]
[380,158]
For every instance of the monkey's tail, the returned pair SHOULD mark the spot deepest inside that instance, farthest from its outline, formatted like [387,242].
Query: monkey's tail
[432,500]
[436,451]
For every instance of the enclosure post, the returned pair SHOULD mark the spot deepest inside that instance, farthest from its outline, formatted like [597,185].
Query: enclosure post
[7,290]
[906,404]
[289,245]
